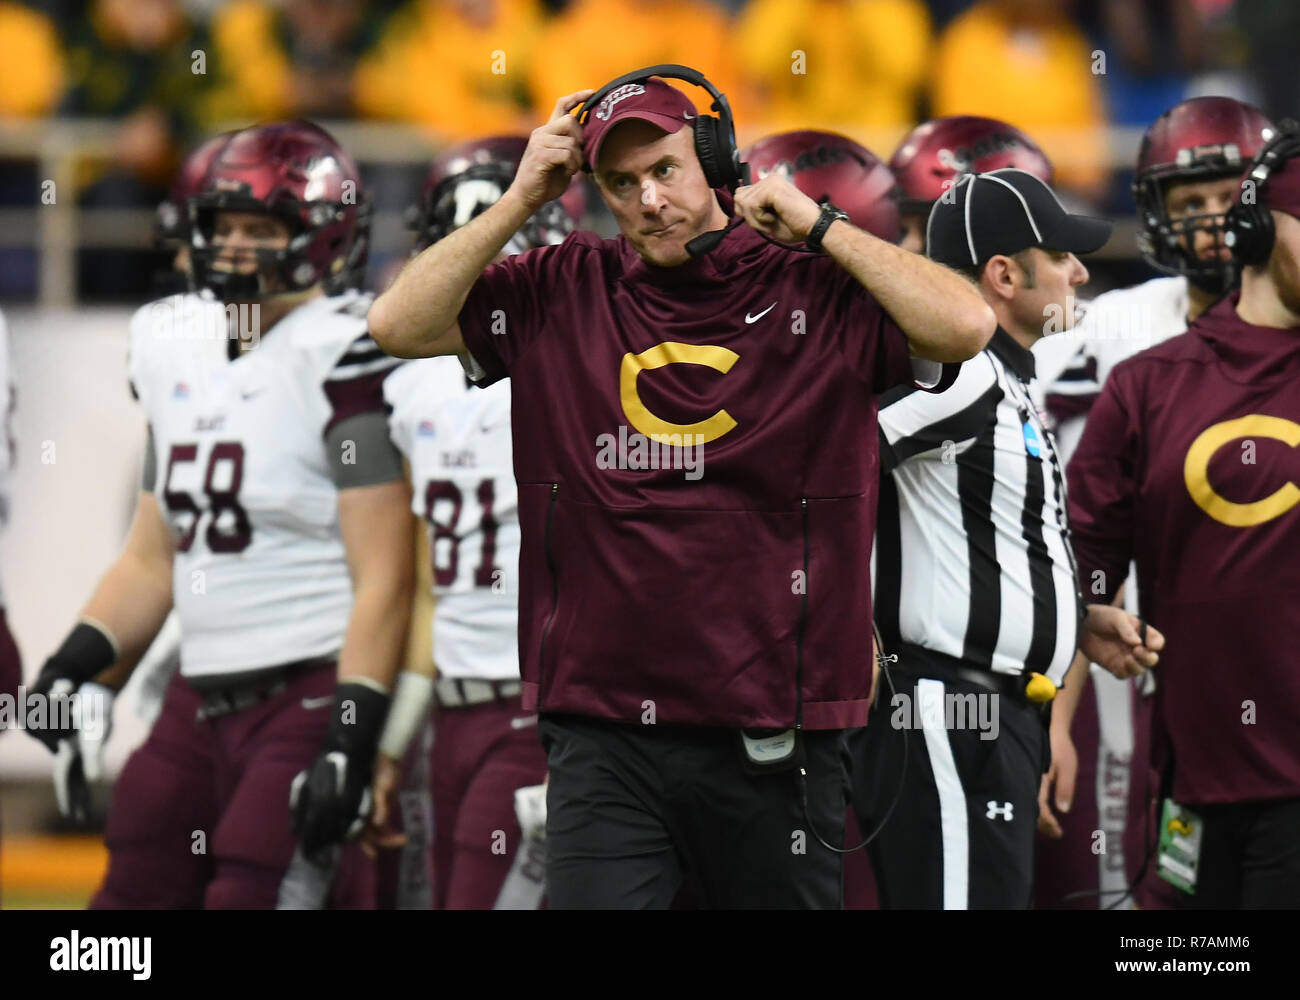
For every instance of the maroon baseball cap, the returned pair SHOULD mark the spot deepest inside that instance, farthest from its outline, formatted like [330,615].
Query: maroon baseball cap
[651,100]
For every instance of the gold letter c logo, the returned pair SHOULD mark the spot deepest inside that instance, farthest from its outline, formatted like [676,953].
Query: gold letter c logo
[672,353]
[1196,470]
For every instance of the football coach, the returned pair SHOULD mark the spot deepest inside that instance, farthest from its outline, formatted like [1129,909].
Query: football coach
[695,444]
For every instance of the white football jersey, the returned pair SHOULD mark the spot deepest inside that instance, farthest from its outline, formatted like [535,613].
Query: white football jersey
[1116,326]
[1073,366]
[260,576]
[7,400]
[457,441]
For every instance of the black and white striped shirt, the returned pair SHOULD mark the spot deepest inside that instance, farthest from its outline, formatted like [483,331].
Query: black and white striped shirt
[972,556]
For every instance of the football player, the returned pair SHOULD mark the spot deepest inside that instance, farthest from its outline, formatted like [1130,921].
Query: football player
[1186,468]
[1188,175]
[273,517]
[488,767]
[79,756]
[935,153]
[171,218]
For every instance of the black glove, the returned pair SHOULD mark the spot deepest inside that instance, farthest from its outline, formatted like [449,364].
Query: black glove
[330,801]
[84,653]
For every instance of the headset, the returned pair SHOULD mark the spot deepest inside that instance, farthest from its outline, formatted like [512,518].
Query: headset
[1248,228]
[715,136]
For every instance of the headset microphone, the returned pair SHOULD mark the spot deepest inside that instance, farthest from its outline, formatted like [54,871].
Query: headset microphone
[706,243]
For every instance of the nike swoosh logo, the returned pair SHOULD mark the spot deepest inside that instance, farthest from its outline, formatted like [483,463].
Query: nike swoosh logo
[245,394]
[687,115]
[755,319]
[523,722]
[322,702]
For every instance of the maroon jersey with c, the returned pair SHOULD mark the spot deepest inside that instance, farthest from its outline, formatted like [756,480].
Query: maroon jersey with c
[645,594]
[1190,463]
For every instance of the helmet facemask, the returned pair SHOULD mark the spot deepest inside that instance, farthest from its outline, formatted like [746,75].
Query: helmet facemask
[460,199]
[281,271]
[1169,245]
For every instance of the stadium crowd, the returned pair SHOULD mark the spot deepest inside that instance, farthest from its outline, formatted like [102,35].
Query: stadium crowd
[169,71]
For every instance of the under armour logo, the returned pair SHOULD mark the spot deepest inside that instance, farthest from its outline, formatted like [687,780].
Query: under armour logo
[994,810]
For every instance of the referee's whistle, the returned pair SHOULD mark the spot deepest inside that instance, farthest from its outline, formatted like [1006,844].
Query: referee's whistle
[1039,689]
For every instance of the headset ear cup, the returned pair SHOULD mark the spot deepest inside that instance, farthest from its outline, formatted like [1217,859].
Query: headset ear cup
[714,151]
[1262,248]
[1252,230]
[1251,225]
[706,148]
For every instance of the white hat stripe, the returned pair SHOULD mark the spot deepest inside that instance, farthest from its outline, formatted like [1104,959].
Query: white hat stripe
[1050,189]
[929,222]
[1023,204]
[970,236]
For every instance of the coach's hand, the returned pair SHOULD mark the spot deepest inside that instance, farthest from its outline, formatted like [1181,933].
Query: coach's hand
[778,209]
[330,801]
[552,157]
[1113,638]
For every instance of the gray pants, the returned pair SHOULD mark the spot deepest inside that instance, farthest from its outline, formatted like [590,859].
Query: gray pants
[636,812]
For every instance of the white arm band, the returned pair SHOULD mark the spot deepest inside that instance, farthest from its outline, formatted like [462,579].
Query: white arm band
[407,712]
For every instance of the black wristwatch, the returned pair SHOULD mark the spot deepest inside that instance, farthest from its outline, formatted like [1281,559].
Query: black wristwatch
[829,214]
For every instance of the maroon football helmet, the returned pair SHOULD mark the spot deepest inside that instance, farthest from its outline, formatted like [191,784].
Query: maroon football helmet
[1204,138]
[831,168]
[469,178]
[296,172]
[936,153]
[171,221]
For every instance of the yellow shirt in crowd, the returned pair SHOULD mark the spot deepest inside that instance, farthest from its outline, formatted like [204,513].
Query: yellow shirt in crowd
[461,75]
[594,41]
[852,66]
[1037,76]
[31,63]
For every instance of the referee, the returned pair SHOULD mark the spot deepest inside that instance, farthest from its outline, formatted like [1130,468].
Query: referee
[691,632]
[975,579]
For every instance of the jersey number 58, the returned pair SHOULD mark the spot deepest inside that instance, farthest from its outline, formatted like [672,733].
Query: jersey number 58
[239,532]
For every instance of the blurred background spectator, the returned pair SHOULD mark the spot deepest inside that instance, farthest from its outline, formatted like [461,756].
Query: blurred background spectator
[31,62]
[143,65]
[295,59]
[843,65]
[1271,30]
[31,80]
[1153,48]
[594,41]
[458,68]
[1028,63]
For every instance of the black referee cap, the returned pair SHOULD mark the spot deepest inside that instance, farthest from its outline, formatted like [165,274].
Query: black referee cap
[1004,212]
